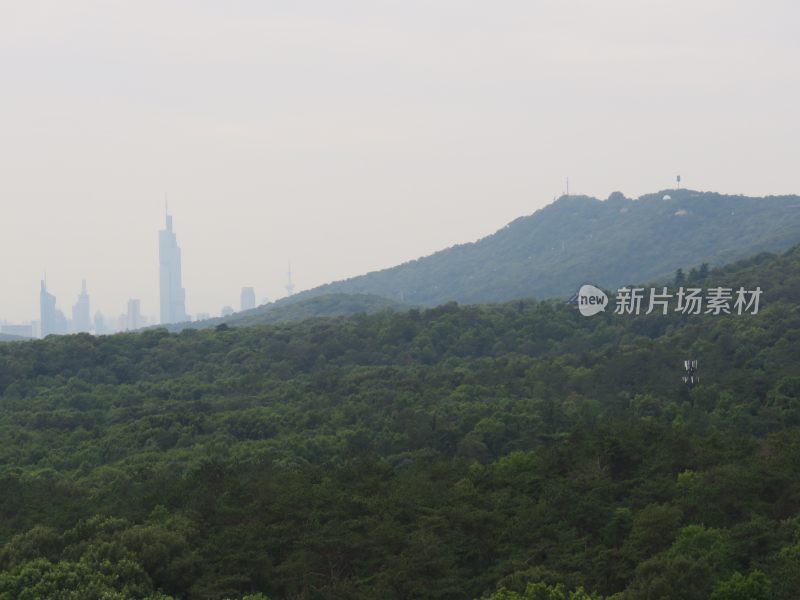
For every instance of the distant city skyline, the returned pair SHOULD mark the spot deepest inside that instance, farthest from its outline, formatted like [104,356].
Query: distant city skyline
[53,321]
[172,297]
[82,307]
[355,137]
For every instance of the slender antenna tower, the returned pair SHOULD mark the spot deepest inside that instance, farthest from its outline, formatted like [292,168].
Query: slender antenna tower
[691,378]
[567,186]
[289,284]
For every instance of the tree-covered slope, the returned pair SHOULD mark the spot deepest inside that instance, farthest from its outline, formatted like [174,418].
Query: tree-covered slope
[576,239]
[289,310]
[5,337]
[442,453]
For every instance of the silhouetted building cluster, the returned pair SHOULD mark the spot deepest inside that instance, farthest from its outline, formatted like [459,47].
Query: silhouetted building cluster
[53,322]
[172,301]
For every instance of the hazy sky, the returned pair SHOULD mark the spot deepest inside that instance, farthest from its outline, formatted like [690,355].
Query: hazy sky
[351,136]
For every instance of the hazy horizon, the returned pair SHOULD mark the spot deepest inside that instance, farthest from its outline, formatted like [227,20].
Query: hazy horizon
[352,138]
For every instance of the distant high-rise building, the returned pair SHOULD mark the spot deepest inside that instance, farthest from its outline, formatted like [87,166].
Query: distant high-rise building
[227,311]
[47,311]
[202,316]
[100,327]
[248,299]
[62,324]
[173,296]
[134,317]
[81,321]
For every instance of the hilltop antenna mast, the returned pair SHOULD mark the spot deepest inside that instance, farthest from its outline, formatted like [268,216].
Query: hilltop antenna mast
[691,378]
[567,186]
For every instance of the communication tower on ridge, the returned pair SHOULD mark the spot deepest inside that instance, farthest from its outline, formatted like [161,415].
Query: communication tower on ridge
[691,378]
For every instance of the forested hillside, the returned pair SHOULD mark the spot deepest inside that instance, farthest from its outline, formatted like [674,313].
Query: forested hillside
[5,337]
[288,310]
[577,239]
[460,452]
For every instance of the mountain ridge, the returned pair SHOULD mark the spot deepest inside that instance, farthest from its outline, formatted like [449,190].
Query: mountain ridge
[577,238]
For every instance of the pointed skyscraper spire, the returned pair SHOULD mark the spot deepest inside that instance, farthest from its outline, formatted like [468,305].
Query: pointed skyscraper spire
[168,219]
[173,296]
[81,317]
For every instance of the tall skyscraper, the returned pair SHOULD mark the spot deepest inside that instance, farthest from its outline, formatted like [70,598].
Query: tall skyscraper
[248,299]
[62,325]
[81,319]
[134,317]
[47,311]
[173,296]
[99,324]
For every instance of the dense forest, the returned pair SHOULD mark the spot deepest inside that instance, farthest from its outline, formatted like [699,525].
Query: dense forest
[515,452]
[614,242]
